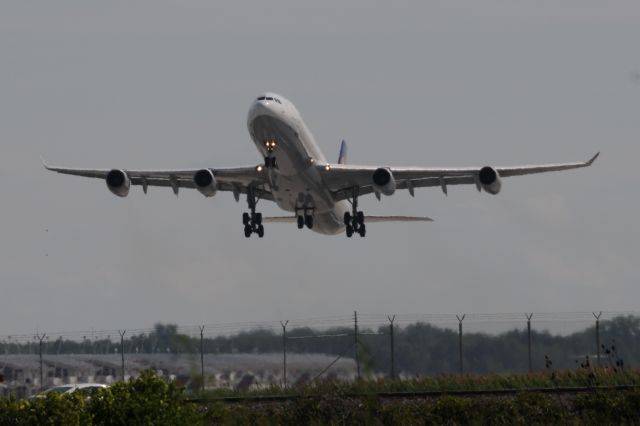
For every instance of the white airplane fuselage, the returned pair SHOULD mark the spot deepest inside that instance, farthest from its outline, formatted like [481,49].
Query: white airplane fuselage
[295,183]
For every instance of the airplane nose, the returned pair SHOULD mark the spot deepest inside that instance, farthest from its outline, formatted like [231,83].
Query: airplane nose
[260,107]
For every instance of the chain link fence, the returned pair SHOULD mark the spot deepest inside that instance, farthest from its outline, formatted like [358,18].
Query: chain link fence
[250,355]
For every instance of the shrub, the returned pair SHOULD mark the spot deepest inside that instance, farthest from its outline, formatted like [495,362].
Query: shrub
[146,400]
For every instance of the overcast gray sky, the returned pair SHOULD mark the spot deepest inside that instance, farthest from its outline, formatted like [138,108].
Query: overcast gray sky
[155,84]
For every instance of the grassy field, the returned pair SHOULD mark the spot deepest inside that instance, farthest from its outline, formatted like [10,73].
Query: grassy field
[449,383]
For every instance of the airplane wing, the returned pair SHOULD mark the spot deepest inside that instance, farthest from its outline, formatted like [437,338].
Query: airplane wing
[344,179]
[236,180]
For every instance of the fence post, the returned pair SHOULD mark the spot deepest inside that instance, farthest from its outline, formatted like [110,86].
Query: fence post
[284,352]
[355,335]
[529,316]
[202,356]
[460,319]
[393,361]
[597,317]
[41,338]
[121,333]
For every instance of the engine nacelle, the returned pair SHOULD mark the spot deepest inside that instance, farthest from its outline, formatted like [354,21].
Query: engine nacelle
[383,181]
[489,179]
[118,182]
[205,182]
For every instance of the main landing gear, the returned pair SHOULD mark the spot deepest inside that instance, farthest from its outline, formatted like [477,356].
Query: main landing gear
[305,219]
[252,221]
[354,221]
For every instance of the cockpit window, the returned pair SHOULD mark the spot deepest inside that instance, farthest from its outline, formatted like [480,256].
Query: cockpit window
[265,98]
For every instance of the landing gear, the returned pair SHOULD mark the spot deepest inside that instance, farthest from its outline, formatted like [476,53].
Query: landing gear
[270,162]
[252,221]
[305,219]
[354,220]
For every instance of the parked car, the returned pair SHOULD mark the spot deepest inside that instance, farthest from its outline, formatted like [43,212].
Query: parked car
[86,388]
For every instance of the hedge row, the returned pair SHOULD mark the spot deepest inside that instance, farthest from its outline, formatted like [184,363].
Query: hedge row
[148,400]
[598,408]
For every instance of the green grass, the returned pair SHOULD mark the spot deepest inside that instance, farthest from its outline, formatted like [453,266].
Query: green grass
[466,382]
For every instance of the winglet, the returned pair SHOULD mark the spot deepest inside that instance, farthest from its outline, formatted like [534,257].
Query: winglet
[590,162]
[44,163]
[342,158]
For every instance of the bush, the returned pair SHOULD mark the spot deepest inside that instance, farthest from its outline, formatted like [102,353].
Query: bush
[143,401]
[54,409]
[146,400]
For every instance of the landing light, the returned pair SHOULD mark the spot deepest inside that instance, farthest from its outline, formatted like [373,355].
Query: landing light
[259,168]
[327,167]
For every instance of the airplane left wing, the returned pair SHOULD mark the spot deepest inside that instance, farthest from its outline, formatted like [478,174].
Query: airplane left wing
[236,180]
[344,179]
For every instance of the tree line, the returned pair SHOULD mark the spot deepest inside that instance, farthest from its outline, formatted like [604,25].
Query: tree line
[419,348]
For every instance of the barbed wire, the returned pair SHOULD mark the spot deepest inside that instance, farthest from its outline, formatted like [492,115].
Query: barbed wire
[365,320]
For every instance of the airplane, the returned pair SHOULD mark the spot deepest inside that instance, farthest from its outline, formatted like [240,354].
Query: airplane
[296,176]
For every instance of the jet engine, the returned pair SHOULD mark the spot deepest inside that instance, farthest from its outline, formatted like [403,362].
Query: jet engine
[205,182]
[118,182]
[383,181]
[490,180]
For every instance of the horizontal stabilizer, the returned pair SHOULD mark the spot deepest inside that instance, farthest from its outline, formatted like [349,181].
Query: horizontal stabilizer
[280,219]
[372,219]
[367,219]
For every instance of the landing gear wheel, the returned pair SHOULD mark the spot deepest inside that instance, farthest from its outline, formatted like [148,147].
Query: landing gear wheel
[300,222]
[362,231]
[347,218]
[360,218]
[252,221]
[349,231]
[270,162]
[308,220]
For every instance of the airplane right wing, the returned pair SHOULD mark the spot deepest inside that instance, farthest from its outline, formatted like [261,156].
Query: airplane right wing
[237,180]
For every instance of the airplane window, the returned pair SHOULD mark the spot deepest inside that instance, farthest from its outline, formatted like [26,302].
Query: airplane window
[269,99]
[261,98]
[277,100]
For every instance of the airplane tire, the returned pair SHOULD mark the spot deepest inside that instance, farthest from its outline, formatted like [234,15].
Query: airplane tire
[258,218]
[247,231]
[300,222]
[349,231]
[308,220]
[347,218]
[363,230]
[260,231]
[245,218]
[360,218]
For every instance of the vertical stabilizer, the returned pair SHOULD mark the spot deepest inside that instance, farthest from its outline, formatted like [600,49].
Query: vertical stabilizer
[342,158]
